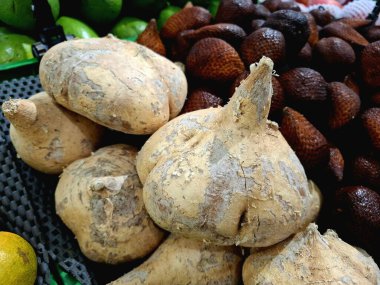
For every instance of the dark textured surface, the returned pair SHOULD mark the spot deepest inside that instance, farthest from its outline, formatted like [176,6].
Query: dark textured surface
[27,200]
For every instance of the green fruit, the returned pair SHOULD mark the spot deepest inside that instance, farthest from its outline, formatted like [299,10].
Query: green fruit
[165,14]
[101,11]
[129,28]
[15,47]
[19,14]
[213,7]
[77,28]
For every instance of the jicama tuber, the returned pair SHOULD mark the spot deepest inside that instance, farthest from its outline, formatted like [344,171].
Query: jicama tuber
[183,261]
[311,258]
[48,137]
[99,198]
[227,175]
[119,84]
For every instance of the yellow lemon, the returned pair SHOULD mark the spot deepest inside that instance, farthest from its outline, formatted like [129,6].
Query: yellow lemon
[18,261]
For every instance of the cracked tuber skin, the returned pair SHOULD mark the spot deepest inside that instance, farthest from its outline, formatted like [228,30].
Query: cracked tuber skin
[99,198]
[311,258]
[226,175]
[179,260]
[47,136]
[119,84]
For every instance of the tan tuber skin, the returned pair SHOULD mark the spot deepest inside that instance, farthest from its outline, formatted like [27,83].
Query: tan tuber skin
[99,198]
[227,175]
[47,136]
[183,261]
[119,84]
[311,258]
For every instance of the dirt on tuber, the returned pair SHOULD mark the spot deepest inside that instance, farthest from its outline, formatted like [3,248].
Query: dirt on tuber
[119,84]
[99,198]
[47,136]
[182,261]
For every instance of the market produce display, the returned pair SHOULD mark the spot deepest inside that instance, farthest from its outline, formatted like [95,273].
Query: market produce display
[259,160]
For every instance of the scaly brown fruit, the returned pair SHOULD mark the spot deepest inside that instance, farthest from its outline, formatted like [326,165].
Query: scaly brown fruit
[366,171]
[231,33]
[214,59]
[260,12]
[234,11]
[334,57]
[201,98]
[188,18]
[150,38]
[263,42]
[309,144]
[345,32]
[358,216]
[257,24]
[293,25]
[314,33]
[303,84]
[345,104]
[371,122]
[370,64]
[335,166]
[322,17]
[355,22]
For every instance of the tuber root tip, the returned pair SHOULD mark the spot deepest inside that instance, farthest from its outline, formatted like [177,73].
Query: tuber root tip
[250,104]
[20,112]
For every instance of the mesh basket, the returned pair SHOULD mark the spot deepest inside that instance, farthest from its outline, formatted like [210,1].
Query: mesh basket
[27,200]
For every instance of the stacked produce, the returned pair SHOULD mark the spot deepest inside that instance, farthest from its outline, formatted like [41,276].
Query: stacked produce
[260,121]
[324,97]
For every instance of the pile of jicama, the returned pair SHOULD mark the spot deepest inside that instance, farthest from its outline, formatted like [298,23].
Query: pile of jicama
[214,196]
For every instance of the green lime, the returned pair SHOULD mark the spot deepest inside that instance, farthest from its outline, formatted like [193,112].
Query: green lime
[101,11]
[165,14]
[15,47]
[213,7]
[19,14]
[77,28]
[129,28]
